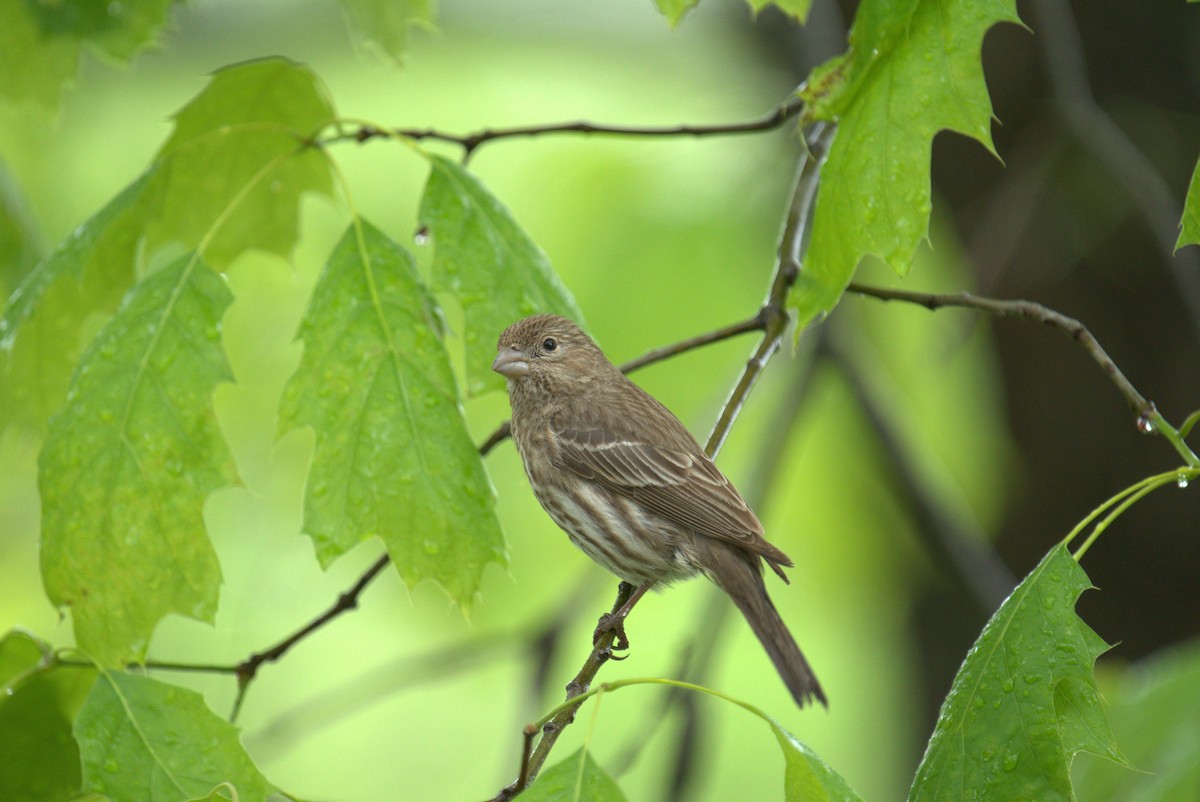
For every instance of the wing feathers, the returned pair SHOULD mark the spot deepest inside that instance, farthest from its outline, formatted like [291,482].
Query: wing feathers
[682,487]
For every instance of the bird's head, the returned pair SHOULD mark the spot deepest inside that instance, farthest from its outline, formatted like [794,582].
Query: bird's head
[546,348]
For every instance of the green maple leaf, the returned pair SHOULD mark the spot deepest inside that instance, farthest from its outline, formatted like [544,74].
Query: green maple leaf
[147,740]
[393,456]
[232,173]
[1025,700]
[1189,226]
[128,462]
[486,259]
[913,69]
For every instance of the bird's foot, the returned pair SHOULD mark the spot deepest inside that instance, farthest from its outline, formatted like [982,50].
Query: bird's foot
[614,623]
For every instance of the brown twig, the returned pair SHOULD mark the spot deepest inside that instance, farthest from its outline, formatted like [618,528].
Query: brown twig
[531,762]
[469,142]
[1148,417]
[346,601]
[1020,308]
[774,309]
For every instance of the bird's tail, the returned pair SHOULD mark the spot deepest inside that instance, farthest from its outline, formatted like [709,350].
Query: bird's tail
[737,573]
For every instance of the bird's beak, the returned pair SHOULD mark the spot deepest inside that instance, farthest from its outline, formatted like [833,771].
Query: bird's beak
[511,363]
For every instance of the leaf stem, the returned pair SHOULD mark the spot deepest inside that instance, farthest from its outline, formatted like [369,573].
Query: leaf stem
[1186,428]
[1123,501]
[615,685]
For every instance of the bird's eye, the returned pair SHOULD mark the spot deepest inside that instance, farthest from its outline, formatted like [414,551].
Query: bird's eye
[549,344]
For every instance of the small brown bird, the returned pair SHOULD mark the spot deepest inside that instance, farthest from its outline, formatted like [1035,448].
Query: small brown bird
[631,487]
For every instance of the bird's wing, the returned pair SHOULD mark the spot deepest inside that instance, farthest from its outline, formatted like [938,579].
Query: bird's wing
[685,488]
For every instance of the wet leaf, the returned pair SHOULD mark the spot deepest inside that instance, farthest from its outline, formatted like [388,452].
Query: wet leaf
[488,261]
[808,778]
[147,740]
[230,178]
[42,331]
[1025,700]
[233,171]
[38,702]
[577,778]
[128,462]
[913,68]
[1155,714]
[40,41]
[393,456]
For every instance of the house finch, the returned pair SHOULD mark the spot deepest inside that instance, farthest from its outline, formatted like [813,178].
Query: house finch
[631,487]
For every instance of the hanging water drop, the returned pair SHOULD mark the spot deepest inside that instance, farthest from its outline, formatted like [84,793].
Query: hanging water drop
[1145,425]
[1181,480]
[421,235]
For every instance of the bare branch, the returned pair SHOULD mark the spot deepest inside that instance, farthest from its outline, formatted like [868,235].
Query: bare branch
[470,142]
[601,653]
[787,268]
[247,670]
[1147,415]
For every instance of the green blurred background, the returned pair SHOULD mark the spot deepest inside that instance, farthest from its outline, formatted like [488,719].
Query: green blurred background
[1004,432]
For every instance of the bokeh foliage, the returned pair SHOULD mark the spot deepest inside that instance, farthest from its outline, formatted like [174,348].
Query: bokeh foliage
[114,345]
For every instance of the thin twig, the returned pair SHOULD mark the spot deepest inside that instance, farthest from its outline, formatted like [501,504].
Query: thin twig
[774,309]
[601,652]
[1148,417]
[530,732]
[348,600]
[469,142]
[756,323]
